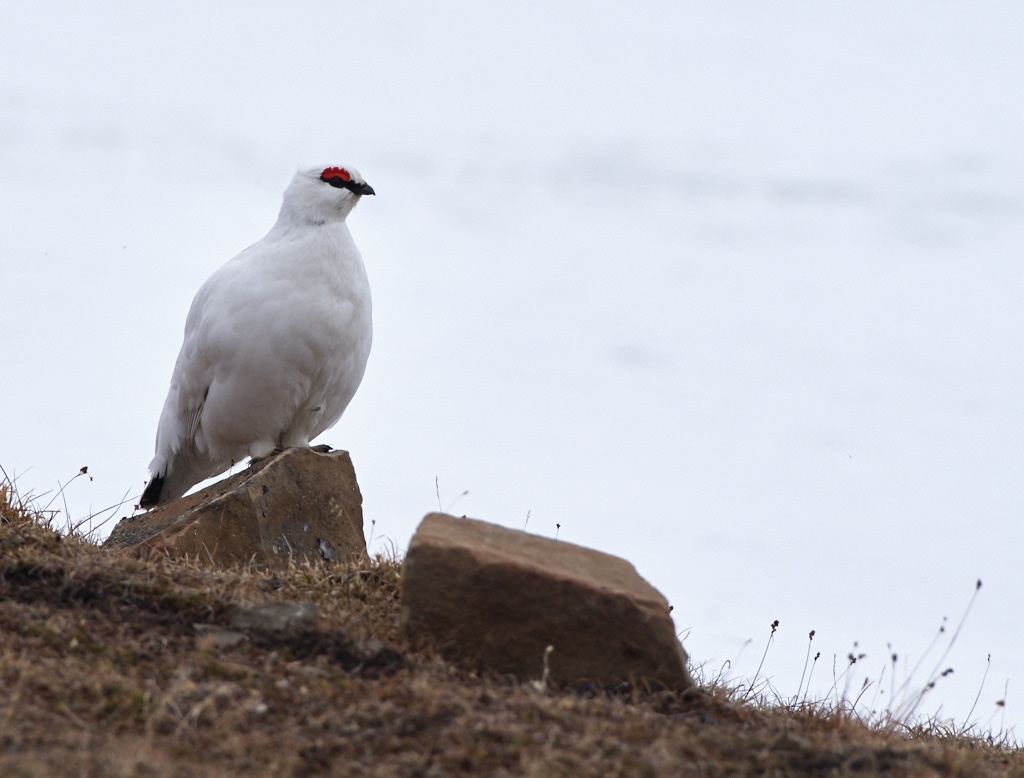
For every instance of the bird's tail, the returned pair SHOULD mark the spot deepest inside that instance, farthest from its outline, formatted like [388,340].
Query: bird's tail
[151,494]
[170,480]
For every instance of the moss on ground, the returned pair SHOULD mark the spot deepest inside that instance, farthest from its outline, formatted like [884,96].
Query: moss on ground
[114,665]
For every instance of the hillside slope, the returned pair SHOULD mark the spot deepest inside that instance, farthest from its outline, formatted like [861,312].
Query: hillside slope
[117,666]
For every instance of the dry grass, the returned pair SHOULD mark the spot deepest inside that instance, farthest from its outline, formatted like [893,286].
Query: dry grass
[111,665]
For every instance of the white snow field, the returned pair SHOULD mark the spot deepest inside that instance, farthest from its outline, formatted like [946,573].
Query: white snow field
[732,290]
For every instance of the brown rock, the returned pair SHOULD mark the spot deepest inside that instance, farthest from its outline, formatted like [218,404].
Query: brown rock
[496,598]
[299,505]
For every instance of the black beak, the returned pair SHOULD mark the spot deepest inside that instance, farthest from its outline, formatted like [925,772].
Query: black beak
[359,189]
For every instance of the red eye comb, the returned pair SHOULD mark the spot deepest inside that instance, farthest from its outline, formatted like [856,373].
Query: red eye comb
[335,172]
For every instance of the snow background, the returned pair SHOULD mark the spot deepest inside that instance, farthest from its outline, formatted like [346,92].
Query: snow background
[731,290]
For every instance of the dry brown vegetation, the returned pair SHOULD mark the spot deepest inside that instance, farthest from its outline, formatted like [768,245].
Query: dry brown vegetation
[111,665]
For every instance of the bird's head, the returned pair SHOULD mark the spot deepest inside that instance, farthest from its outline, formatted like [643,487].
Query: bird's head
[321,195]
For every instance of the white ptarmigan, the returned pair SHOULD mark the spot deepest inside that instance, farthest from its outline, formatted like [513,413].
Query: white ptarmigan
[276,341]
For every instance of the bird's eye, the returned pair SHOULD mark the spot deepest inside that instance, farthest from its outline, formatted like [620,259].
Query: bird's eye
[335,176]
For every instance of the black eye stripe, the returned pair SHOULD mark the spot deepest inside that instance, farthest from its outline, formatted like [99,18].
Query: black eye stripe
[353,186]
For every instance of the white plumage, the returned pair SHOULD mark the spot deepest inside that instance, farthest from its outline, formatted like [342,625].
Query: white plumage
[276,341]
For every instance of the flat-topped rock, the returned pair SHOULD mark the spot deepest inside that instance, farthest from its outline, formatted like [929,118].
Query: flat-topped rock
[297,506]
[496,598]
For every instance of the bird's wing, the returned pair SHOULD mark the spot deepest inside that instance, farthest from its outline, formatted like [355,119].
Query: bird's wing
[190,382]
